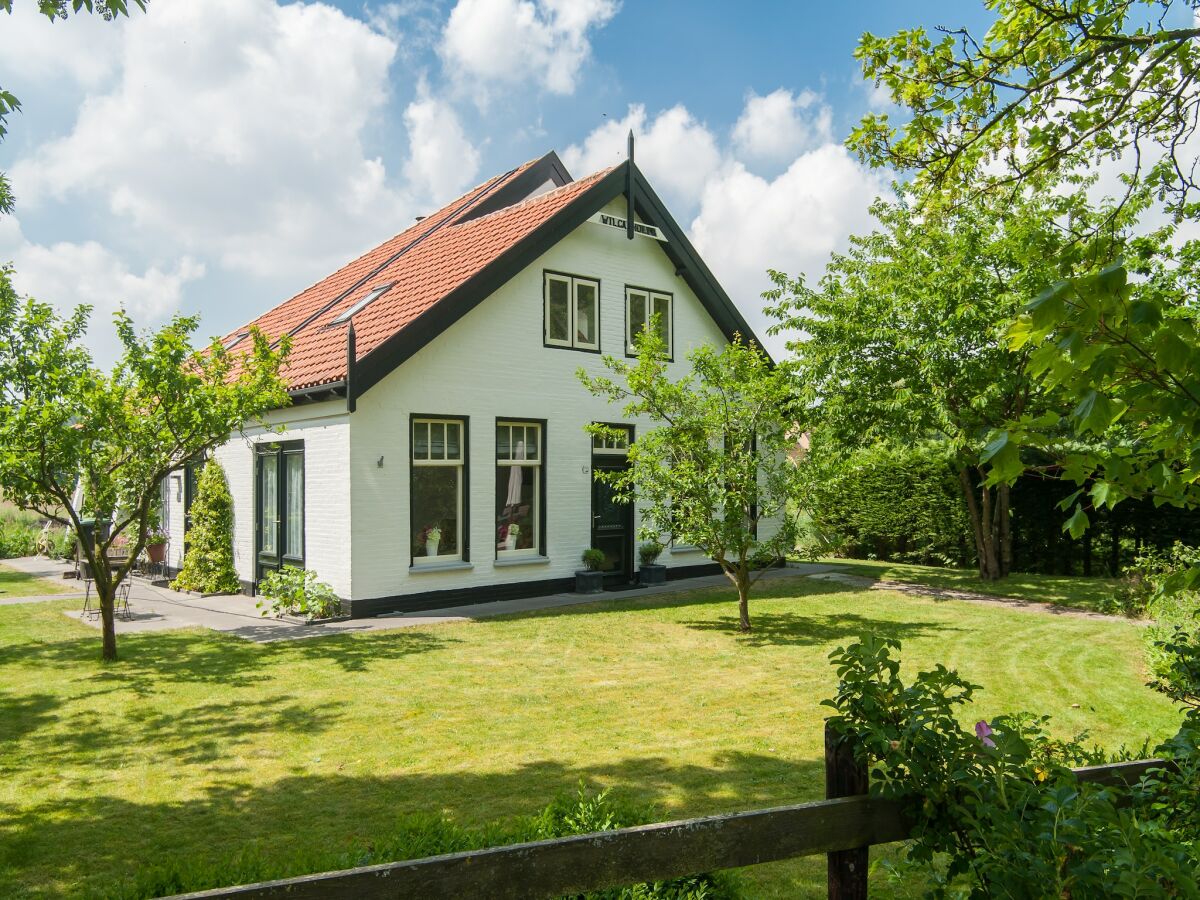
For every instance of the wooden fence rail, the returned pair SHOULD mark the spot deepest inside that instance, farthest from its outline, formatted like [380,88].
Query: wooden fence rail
[843,827]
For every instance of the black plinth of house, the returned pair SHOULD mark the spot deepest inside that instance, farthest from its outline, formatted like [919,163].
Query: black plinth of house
[426,600]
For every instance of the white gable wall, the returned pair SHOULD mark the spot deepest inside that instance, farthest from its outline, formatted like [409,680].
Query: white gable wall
[492,363]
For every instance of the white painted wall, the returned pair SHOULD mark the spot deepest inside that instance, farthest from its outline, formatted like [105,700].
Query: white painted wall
[325,430]
[492,363]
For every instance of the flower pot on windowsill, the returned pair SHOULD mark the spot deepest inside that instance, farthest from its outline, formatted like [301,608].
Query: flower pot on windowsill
[431,548]
[588,581]
[652,574]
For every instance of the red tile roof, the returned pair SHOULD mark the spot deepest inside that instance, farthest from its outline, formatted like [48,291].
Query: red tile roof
[423,264]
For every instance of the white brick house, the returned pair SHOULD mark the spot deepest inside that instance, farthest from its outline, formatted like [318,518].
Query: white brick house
[434,385]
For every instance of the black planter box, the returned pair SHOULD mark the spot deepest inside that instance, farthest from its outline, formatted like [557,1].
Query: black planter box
[652,574]
[588,582]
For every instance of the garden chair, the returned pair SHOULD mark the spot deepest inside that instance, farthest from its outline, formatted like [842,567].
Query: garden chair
[92,610]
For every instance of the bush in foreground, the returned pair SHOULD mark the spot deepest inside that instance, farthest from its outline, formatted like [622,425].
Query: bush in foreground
[996,810]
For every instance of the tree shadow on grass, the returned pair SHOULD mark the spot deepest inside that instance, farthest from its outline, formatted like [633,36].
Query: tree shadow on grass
[197,656]
[85,844]
[806,630]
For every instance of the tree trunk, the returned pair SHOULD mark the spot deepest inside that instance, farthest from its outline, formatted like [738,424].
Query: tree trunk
[989,515]
[743,589]
[109,627]
[1004,510]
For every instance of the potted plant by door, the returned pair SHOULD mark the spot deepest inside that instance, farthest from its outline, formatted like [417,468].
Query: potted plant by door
[156,547]
[589,579]
[651,572]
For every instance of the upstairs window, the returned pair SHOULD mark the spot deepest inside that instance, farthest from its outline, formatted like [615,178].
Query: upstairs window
[641,306]
[572,311]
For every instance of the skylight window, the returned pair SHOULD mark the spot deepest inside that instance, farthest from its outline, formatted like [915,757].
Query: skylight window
[362,304]
[236,339]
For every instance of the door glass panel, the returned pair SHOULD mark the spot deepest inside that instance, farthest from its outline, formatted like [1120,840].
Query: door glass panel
[558,310]
[293,500]
[585,313]
[269,503]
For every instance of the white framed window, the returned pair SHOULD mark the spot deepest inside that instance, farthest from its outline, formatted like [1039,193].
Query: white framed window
[572,311]
[436,495]
[519,487]
[641,306]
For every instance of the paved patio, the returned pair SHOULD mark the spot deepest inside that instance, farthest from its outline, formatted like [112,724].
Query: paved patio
[161,609]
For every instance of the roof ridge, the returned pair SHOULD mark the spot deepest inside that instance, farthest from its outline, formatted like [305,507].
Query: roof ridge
[529,201]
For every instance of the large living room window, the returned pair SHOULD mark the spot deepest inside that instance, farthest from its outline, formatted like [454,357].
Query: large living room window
[572,311]
[643,307]
[519,487]
[438,455]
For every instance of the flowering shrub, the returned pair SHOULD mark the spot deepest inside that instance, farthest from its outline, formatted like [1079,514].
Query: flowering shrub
[297,592]
[996,809]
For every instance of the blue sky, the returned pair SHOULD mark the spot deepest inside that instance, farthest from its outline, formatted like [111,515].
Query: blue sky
[215,156]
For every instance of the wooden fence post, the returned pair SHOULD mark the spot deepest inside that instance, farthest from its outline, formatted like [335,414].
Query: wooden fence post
[845,777]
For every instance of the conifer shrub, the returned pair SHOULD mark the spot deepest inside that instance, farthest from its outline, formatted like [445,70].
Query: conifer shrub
[208,562]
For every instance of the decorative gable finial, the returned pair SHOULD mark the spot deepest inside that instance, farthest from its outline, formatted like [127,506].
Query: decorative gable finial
[629,187]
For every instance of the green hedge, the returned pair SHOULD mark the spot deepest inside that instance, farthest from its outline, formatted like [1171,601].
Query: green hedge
[894,504]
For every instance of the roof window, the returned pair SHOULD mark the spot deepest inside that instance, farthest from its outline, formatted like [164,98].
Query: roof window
[362,304]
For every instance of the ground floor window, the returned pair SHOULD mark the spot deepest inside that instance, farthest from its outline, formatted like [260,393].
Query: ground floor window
[519,488]
[438,475]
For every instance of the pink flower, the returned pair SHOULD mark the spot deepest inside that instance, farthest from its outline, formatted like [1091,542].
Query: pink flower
[983,731]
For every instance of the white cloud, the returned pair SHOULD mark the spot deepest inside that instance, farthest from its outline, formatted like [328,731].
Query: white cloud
[742,222]
[35,48]
[441,158]
[231,131]
[748,224]
[774,129]
[512,41]
[677,153]
[67,274]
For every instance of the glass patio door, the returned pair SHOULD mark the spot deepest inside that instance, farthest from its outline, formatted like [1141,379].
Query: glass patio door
[279,506]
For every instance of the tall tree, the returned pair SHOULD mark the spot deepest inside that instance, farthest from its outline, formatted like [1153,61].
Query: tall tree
[1056,84]
[903,339]
[62,420]
[715,466]
[52,9]
[1051,85]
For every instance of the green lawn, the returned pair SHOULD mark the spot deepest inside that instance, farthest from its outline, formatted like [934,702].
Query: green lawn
[1064,590]
[18,584]
[197,744]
